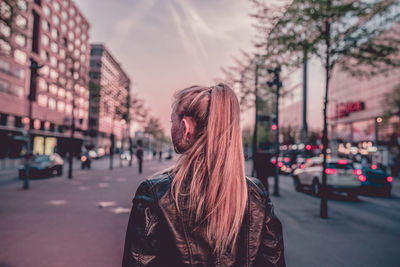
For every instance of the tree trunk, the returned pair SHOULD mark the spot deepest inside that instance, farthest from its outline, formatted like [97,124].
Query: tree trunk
[255,141]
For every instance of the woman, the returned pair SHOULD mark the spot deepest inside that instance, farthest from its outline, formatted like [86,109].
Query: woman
[204,211]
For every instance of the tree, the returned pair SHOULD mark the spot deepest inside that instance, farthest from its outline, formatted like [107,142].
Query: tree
[351,34]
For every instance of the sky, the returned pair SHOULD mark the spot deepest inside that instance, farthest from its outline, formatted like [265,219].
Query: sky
[166,45]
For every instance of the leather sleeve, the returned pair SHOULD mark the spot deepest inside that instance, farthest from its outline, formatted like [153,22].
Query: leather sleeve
[272,249]
[141,243]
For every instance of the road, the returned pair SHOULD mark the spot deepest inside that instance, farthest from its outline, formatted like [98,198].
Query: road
[82,222]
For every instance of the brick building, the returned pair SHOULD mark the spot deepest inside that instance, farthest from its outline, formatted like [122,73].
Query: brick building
[54,34]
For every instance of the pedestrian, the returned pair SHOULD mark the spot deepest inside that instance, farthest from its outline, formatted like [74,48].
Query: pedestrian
[204,211]
[139,155]
[262,167]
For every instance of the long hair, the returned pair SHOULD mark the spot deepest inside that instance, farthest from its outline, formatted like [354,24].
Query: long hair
[214,165]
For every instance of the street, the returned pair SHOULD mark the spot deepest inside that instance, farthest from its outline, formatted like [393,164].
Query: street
[82,221]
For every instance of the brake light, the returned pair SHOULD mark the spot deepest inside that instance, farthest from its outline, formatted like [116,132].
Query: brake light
[362,178]
[308,160]
[389,179]
[273,161]
[280,164]
[342,162]
[374,167]
[330,171]
[302,166]
[83,158]
[286,159]
[357,172]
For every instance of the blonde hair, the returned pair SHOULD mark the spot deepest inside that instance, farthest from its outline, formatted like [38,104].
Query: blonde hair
[214,165]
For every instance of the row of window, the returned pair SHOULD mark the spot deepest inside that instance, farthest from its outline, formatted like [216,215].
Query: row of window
[60,106]
[13,90]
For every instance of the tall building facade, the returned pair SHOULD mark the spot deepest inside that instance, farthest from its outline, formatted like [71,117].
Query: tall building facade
[55,35]
[109,98]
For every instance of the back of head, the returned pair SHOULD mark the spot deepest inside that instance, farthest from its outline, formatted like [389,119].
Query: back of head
[213,161]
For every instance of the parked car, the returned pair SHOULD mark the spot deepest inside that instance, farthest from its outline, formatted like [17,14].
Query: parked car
[43,166]
[340,173]
[375,180]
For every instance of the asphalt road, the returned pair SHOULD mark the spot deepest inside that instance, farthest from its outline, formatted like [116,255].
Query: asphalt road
[82,222]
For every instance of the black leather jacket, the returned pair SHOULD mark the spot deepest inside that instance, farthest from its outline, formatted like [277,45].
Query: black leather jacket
[158,235]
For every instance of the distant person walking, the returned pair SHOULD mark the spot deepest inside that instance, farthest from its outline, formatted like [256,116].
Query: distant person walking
[204,211]
[139,155]
[263,168]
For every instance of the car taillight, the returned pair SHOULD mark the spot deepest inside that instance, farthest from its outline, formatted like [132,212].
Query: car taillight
[330,171]
[302,166]
[362,178]
[280,164]
[273,161]
[389,179]
[342,162]
[357,172]
[374,167]
[286,159]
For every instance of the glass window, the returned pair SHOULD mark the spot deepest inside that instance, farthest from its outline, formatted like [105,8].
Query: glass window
[53,89]
[83,58]
[79,19]
[77,42]
[71,35]
[44,55]
[44,70]
[68,109]
[54,34]
[56,20]
[78,30]
[68,95]
[53,61]
[62,53]
[22,4]
[64,15]
[21,21]
[19,91]
[54,47]
[42,100]
[42,84]
[60,106]
[5,10]
[76,53]
[20,57]
[19,73]
[56,6]
[72,23]
[53,74]
[20,40]
[65,3]
[61,92]
[70,47]
[46,11]
[61,67]
[63,28]
[72,11]
[45,25]
[52,103]
[4,66]
[4,86]
[45,40]
[4,29]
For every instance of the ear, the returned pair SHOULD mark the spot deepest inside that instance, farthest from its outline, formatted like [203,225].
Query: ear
[189,127]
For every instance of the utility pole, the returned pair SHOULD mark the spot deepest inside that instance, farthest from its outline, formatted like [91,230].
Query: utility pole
[305,126]
[34,66]
[278,84]
[71,156]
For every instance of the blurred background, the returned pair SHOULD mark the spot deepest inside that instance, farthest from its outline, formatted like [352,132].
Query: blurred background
[86,87]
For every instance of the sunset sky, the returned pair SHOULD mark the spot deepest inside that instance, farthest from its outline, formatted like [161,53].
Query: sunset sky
[165,45]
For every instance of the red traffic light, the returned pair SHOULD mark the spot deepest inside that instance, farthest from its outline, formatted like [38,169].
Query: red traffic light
[274,127]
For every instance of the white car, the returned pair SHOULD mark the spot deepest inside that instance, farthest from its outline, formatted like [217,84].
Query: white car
[340,176]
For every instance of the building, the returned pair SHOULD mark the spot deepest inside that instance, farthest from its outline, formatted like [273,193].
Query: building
[55,35]
[109,96]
